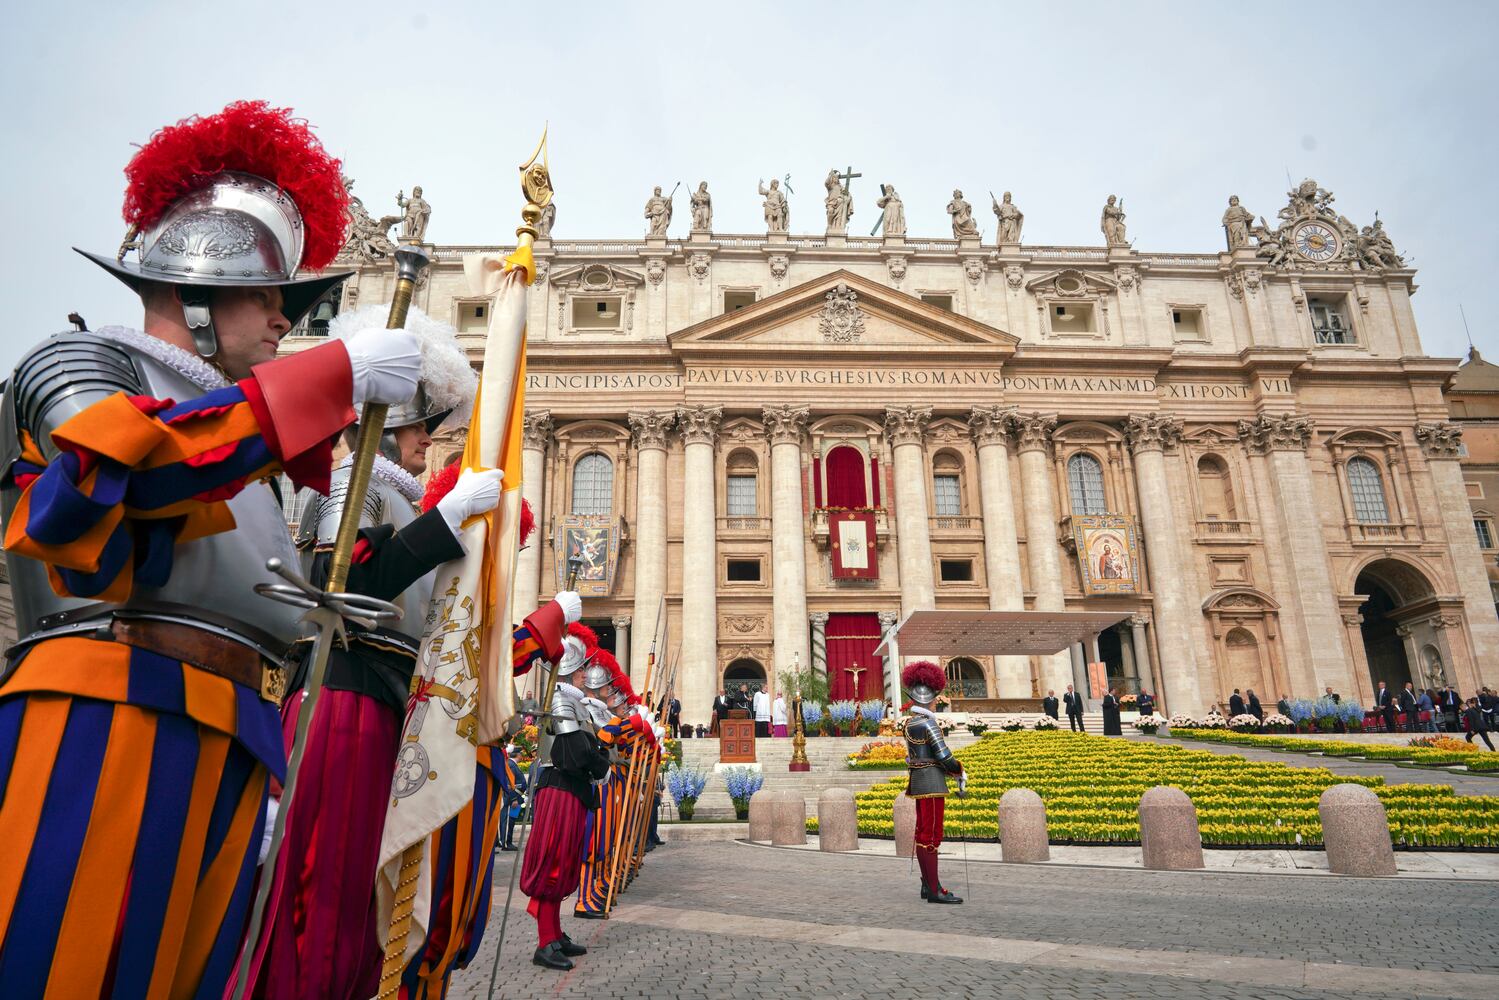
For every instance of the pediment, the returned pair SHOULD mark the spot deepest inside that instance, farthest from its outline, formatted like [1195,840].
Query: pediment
[1070,283]
[595,277]
[843,311]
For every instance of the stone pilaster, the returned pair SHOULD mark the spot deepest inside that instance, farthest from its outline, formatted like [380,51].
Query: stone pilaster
[991,429]
[1032,435]
[699,428]
[1150,435]
[1441,442]
[819,622]
[785,425]
[905,426]
[536,434]
[1281,439]
[649,428]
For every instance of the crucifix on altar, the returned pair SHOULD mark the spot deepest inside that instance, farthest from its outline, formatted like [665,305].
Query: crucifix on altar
[854,672]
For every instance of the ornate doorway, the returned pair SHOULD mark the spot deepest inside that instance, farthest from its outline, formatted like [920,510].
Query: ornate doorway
[750,673]
[1384,648]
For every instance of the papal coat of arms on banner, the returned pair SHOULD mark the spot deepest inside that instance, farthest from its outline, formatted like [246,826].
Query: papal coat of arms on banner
[591,542]
[853,545]
[1108,553]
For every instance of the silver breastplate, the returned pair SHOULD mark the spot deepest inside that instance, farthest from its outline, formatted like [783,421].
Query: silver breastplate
[217,573]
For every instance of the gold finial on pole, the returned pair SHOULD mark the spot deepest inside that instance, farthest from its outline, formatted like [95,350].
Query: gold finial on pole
[536,187]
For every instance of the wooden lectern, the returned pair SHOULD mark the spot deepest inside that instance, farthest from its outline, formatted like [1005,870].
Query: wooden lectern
[736,738]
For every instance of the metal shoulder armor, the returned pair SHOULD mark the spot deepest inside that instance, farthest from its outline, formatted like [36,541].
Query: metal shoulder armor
[319,522]
[66,374]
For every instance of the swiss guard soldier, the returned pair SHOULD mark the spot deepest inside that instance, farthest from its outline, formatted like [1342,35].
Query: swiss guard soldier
[320,934]
[138,712]
[930,762]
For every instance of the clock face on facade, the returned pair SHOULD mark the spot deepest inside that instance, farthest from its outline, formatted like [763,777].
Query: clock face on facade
[1316,241]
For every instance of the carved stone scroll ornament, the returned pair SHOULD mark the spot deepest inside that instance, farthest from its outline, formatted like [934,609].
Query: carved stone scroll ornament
[779,265]
[1152,431]
[906,424]
[992,424]
[650,427]
[1441,440]
[536,430]
[785,424]
[1033,430]
[699,424]
[841,320]
[1276,432]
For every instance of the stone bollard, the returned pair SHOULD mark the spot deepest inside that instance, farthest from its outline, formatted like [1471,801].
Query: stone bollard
[837,820]
[788,819]
[759,815]
[1355,832]
[1022,827]
[1169,838]
[905,825]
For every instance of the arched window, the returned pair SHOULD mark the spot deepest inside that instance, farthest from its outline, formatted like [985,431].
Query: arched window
[965,679]
[845,478]
[947,485]
[744,671]
[593,485]
[1215,489]
[739,492]
[1085,484]
[1367,487]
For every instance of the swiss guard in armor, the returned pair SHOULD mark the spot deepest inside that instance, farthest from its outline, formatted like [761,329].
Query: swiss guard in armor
[139,726]
[564,796]
[320,935]
[930,762]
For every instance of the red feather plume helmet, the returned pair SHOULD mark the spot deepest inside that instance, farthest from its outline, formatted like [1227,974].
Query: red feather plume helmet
[590,638]
[924,673]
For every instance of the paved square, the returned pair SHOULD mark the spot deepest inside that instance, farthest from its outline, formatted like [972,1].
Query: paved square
[734,920]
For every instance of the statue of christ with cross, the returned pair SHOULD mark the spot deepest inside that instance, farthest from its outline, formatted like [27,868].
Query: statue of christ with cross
[855,671]
[839,202]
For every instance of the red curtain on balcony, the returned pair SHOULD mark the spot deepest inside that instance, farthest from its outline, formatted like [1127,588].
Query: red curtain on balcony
[852,639]
[845,485]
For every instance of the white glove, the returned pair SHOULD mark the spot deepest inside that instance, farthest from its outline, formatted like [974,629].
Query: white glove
[572,606]
[474,493]
[660,734]
[272,807]
[387,365]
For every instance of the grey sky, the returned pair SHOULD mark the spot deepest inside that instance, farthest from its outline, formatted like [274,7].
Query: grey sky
[1173,106]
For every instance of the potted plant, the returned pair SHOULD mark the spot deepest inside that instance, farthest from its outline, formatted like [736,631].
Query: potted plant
[1129,708]
[1149,724]
[841,714]
[978,727]
[1045,723]
[742,781]
[1011,724]
[685,786]
[1245,723]
[812,718]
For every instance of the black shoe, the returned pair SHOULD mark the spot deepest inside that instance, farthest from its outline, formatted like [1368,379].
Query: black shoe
[507,847]
[943,896]
[925,892]
[569,947]
[551,957]
[588,915]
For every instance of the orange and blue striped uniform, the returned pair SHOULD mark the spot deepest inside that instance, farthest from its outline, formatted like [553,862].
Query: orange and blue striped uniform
[604,822]
[132,784]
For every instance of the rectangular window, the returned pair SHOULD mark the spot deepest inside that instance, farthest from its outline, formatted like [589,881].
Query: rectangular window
[949,500]
[940,300]
[1475,490]
[741,496]
[1329,322]
[1485,529]
[743,571]
[737,300]
[1072,318]
[1187,323]
[473,317]
[956,570]
[596,314]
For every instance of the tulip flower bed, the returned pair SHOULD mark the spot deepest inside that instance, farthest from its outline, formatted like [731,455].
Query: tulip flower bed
[878,757]
[1092,786]
[1452,752]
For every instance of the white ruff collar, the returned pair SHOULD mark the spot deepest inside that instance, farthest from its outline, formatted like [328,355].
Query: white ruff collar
[191,367]
[393,476]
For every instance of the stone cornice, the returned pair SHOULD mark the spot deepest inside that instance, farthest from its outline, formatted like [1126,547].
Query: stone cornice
[991,424]
[785,424]
[1276,432]
[906,424]
[699,424]
[536,429]
[1152,432]
[650,427]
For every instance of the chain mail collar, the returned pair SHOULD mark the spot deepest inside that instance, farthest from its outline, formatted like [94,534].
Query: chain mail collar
[185,363]
[393,476]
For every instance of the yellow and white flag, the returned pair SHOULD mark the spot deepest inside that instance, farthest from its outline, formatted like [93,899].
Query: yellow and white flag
[463,691]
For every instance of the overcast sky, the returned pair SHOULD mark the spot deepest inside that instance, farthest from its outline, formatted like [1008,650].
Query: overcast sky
[1173,106]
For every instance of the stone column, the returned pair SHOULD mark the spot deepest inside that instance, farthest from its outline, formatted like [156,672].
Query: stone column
[699,428]
[535,435]
[1440,442]
[892,670]
[819,623]
[649,427]
[785,426]
[1033,440]
[621,625]
[990,426]
[1283,439]
[1141,651]
[905,426]
[1149,435]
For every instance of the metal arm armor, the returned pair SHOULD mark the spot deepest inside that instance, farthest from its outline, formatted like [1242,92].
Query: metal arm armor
[320,520]
[63,376]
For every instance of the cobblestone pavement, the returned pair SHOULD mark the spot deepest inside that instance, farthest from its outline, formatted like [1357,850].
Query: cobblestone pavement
[1462,782]
[733,920]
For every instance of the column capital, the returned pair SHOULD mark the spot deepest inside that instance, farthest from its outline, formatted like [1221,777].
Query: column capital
[785,424]
[888,618]
[1276,432]
[1033,430]
[1152,432]
[650,427]
[699,424]
[992,424]
[1440,440]
[1139,621]
[1353,619]
[620,621]
[906,424]
[818,619]
[1447,621]
[536,429]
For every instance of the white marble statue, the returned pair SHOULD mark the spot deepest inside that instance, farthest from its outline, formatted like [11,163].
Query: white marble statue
[1112,223]
[1236,222]
[657,213]
[840,204]
[894,219]
[1009,217]
[418,214]
[702,208]
[777,208]
[962,217]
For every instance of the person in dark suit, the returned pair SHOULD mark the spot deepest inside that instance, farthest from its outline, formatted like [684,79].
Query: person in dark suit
[1111,726]
[1073,702]
[1146,704]
[1330,693]
[1255,708]
[1049,704]
[1476,724]
[720,712]
[674,716]
[1384,703]
[1408,707]
[1451,707]
[1284,705]
[1235,704]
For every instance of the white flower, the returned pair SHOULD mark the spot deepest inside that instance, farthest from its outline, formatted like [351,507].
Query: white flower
[1046,722]
[1276,719]
[1180,721]
[1244,720]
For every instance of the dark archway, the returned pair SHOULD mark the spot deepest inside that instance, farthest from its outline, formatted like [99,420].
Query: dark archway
[1383,647]
[744,671]
[965,679]
[1111,652]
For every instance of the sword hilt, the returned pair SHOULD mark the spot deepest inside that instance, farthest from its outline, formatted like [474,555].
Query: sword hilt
[361,609]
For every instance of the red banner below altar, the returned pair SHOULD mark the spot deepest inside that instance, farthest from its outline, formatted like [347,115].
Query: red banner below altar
[851,535]
[855,670]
